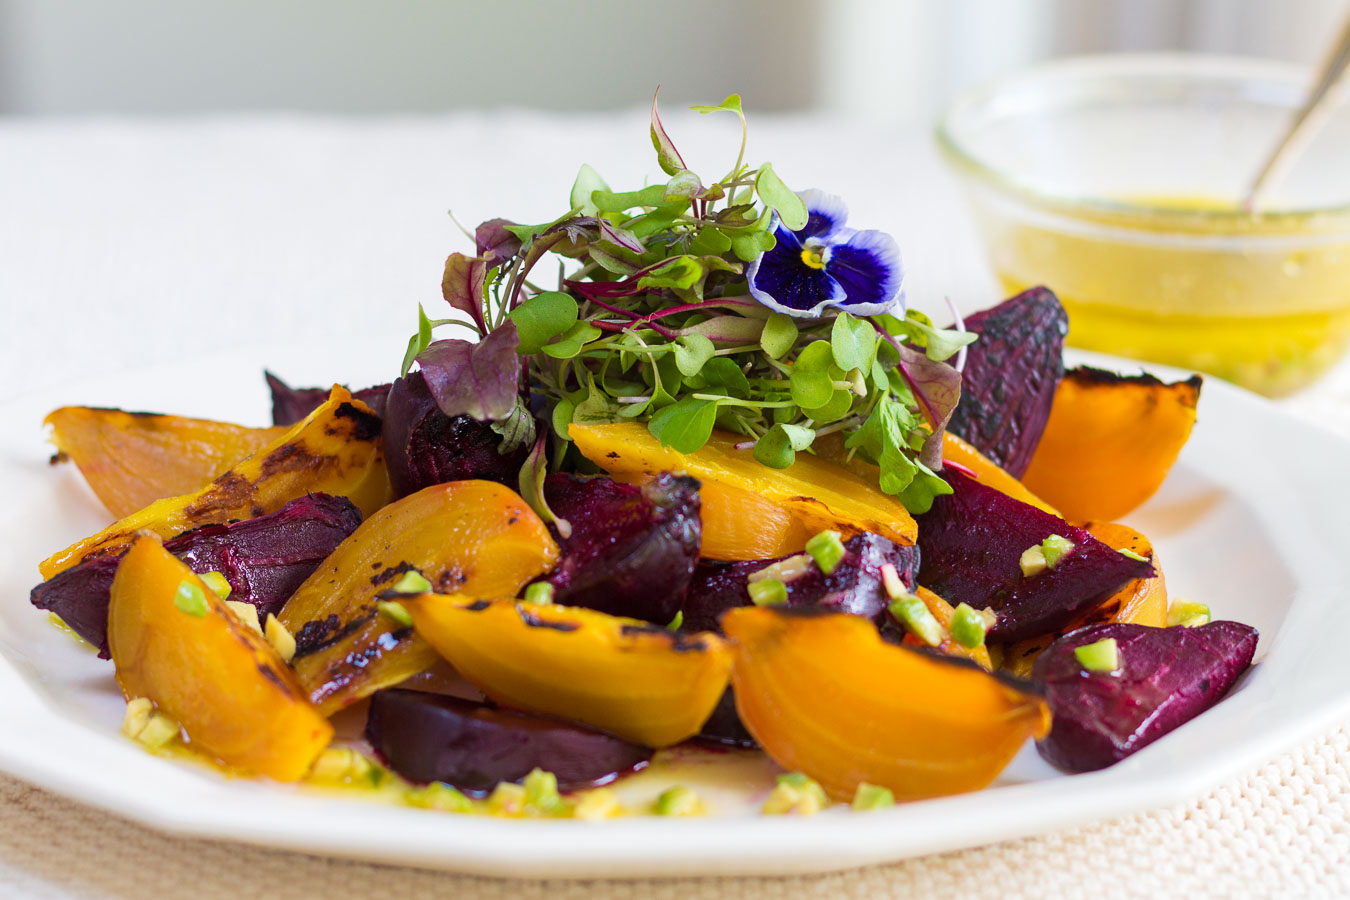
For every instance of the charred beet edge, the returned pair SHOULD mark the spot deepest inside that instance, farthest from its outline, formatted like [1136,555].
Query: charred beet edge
[1010,376]
[853,587]
[1166,677]
[290,405]
[972,541]
[632,549]
[265,559]
[423,446]
[473,746]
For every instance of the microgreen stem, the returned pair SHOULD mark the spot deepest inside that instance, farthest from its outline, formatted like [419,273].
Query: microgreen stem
[749,404]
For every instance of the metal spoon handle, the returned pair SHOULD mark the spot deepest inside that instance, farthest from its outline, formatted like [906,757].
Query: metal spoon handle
[1309,119]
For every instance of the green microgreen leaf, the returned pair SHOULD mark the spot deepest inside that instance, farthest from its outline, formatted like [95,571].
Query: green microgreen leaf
[691,352]
[588,181]
[749,246]
[418,342]
[571,341]
[542,318]
[596,409]
[684,426]
[683,183]
[728,329]
[780,198]
[531,484]
[709,241]
[516,430]
[854,343]
[779,447]
[676,272]
[609,202]
[812,386]
[562,417]
[779,336]
[731,104]
[832,410]
[722,372]
[938,343]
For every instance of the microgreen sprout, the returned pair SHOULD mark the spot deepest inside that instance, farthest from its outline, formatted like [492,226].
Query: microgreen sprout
[692,305]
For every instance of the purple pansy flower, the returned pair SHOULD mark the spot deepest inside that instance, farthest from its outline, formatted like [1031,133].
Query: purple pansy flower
[826,264]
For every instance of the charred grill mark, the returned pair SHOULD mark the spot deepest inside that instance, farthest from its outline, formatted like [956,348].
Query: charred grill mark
[680,643]
[390,573]
[346,670]
[366,426]
[229,491]
[449,581]
[317,635]
[58,457]
[275,677]
[535,621]
[477,605]
[295,457]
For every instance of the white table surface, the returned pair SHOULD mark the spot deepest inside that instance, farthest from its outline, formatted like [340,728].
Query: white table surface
[129,243]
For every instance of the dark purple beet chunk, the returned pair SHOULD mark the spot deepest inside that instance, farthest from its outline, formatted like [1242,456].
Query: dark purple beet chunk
[725,727]
[423,446]
[1010,376]
[290,405]
[972,542]
[473,746]
[853,587]
[632,549]
[1167,677]
[265,559]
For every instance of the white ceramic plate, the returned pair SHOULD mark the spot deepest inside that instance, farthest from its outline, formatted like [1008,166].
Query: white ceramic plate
[1253,521]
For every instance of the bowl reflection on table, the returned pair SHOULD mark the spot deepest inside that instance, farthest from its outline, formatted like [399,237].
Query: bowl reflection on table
[1115,181]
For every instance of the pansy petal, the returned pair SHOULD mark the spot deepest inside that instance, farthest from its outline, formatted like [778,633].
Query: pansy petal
[825,214]
[868,267]
[782,281]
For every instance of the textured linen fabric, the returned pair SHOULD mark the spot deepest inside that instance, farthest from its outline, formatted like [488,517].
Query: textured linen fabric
[130,243]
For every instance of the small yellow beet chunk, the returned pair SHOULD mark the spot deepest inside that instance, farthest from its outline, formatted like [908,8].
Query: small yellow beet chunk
[177,644]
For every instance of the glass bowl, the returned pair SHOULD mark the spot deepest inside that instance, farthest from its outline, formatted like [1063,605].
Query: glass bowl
[1115,181]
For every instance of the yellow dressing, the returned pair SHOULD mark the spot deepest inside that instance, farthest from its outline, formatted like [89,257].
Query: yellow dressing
[1263,301]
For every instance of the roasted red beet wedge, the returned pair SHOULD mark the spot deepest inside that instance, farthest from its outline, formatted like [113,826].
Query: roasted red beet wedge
[423,446]
[473,746]
[1009,380]
[632,549]
[853,587]
[971,544]
[1166,677]
[290,405]
[265,559]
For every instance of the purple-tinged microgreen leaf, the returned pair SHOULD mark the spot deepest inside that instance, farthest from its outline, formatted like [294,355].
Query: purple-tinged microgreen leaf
[587,182]
[780,198]
[462,285]
[712,193]
[727,329]
[779,335]
[517,429]
[620,236]
[684,426]
[609,202]
[742,215]
[666,155]
[531,483]
[811,383]
[418,342]
[779,447]
[683,183]
[937,388]
[571,341]
[691,352]
[854,342]
[541,318]
[493,238]
[481,380]
[709,241]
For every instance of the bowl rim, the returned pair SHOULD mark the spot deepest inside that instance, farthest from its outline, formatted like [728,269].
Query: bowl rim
[1238,69]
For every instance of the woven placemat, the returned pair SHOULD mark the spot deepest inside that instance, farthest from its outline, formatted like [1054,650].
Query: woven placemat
[1282,830]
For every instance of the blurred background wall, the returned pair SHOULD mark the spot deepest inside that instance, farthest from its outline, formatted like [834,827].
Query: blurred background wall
[892,61]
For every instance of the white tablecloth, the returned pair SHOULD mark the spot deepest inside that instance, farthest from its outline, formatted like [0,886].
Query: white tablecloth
[125,244]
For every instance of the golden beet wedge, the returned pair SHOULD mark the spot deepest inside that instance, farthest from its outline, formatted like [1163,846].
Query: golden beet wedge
[334,450]
[475,537]
[1142,601]
[825,695]
[633,679]
[955,450]
[1110,442]
[130,460]
[816,493]
[176,643]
